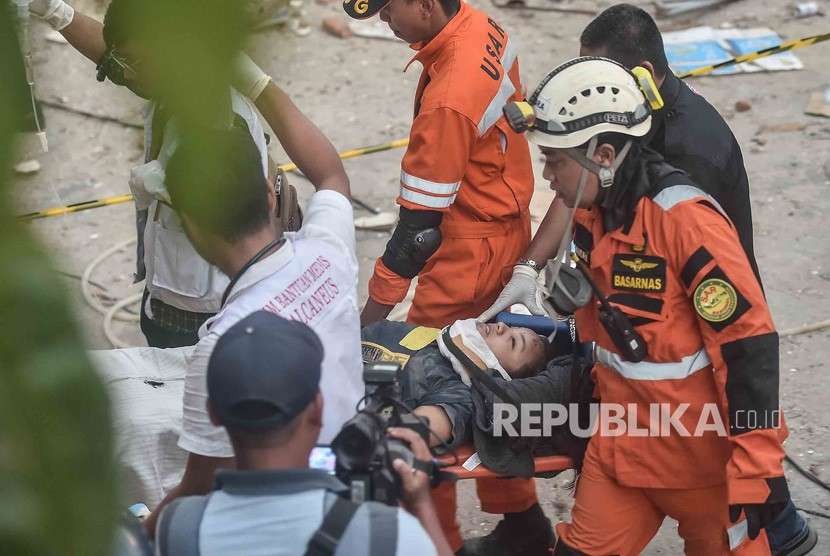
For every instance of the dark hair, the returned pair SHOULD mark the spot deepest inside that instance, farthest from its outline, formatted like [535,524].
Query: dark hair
[628,35]
[216,179]
[450,7]
[246,439]
[119,21]
[537,364]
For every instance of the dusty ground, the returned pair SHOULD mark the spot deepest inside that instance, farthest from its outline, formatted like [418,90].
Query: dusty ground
[356,92]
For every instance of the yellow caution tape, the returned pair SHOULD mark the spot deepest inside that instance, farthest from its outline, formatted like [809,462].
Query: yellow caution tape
[76,207]
[118,199]
[752,56]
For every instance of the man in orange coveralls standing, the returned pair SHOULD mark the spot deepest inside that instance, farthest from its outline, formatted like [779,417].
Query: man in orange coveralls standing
[683,339]
[466,184]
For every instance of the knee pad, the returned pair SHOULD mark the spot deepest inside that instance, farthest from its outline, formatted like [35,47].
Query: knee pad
[415,239]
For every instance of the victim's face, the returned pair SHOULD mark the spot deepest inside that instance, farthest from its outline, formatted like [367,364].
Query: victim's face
[519,350]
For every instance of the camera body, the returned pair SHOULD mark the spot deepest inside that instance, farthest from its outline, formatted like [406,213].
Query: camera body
[364,452]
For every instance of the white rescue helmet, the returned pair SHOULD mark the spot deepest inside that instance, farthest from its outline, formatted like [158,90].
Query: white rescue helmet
[588,96]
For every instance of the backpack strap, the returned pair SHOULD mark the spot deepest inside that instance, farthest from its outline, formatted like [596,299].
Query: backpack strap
[178,528]
[325,539]
[383,530]
[382,523]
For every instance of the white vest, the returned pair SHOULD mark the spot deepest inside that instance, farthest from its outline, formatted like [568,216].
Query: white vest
[176,274]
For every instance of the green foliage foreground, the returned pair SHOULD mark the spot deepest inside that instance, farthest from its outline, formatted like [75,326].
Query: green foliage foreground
[57,473]
[57,484]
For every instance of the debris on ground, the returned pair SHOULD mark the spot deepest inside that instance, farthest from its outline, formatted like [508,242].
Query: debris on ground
[382,221]
[543,6]
[806,9]
[819,103]
[27,167]
[671,8]
[786,127]
[696,47]
[336,27]
[743,106]
[372,29]
[290,14]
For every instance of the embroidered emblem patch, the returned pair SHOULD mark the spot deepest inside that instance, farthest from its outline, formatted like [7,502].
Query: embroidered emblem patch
[373,353]
[715,300]
[642,273]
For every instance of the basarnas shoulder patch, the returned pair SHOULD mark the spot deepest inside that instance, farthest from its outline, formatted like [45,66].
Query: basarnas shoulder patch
[715,300]
[718,301]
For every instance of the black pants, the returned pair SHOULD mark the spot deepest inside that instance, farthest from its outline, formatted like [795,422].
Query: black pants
[161,336]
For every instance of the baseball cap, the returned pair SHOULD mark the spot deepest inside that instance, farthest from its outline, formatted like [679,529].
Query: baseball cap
[363,9]
[264,371]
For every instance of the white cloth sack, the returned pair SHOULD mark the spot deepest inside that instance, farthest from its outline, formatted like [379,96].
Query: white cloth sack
[145,387]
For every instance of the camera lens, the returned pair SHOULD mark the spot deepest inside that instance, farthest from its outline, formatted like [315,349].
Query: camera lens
[357,441]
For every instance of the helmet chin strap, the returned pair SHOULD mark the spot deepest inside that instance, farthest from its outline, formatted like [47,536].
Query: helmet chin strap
[604,173]
[606,179]
[556,264]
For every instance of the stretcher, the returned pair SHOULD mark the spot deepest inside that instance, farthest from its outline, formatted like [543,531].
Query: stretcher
[455,464]
[542,465]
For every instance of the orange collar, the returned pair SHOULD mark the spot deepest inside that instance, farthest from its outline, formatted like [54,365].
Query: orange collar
[635,234]
[592,220]
[428,51]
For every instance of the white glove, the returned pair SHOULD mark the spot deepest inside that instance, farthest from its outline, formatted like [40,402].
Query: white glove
[522,288]
[57,13]
[248,78]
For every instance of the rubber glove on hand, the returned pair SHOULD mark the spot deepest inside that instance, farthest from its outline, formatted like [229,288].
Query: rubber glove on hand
[57,13]
[522,288]
[248,78]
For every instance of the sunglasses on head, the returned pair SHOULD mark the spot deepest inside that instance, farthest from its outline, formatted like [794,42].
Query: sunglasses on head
[115,67]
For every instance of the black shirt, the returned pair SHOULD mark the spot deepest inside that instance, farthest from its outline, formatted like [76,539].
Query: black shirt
[691,135]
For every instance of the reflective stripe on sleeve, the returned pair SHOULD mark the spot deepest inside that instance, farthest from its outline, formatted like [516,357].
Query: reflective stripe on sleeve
[675,194]
[424,200]
[506,90]
[429,187]
[646,370]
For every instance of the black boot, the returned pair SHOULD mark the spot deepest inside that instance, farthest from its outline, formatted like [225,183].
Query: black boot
[800,545]
[527,533]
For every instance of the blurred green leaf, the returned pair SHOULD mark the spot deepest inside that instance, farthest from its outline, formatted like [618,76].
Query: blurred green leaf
[57,477]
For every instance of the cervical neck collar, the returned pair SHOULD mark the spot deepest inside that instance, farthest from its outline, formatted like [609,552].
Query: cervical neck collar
[468,344]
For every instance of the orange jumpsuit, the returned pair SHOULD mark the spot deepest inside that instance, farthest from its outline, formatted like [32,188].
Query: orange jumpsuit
[680,275]
[465,161]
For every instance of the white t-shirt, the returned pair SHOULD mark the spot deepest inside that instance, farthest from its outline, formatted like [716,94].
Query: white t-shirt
[311,278]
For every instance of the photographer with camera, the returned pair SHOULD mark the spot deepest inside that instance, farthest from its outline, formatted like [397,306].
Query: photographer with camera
[264,389]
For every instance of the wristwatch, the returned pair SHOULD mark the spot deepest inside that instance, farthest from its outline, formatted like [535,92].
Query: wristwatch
[531,263]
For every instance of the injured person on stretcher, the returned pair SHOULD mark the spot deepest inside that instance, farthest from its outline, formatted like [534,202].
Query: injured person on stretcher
[436,383]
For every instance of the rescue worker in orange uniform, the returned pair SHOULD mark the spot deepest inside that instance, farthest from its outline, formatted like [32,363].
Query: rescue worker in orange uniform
[683,339]
[465,189]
